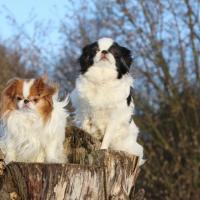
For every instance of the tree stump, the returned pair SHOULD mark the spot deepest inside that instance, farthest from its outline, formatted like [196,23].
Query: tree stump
[91,174]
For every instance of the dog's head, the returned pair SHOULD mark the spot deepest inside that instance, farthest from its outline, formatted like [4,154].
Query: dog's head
[28,95]
[106,51]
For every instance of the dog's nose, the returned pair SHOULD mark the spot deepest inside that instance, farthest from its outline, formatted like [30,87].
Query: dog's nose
[104,52]
[26,101]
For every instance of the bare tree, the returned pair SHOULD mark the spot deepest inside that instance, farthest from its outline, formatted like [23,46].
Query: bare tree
[164,38]
[11,66]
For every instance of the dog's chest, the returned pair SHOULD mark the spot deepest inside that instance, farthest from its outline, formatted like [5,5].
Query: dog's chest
[105,95]
[25,128]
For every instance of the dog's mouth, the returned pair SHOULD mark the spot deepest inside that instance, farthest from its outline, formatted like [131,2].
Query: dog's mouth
[26,108]
[104,57]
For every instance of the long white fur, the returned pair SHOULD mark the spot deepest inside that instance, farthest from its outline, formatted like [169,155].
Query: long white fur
[100,101]
[26,138]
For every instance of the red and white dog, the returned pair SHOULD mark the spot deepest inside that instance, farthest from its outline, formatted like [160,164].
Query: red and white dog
[33,121]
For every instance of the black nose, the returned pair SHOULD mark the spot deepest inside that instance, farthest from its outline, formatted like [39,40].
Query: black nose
[104,52]
[26,101]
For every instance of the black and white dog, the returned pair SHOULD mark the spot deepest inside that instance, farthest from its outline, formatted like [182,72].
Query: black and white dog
[102,100]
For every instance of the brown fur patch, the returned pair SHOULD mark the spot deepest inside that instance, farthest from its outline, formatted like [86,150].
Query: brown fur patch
[42,93]
[41,89]
[45,107]
[8,97]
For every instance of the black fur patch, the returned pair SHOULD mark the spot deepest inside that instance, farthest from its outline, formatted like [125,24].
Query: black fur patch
[128,100]
[123,59]
[88,54]
[130,96]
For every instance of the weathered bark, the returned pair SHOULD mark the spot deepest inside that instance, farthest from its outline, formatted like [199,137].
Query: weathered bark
[2,164]
[120,172]
[79,145]
[97,174]
[52,181]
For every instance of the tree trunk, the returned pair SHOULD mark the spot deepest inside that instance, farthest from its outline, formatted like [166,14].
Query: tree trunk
[96,174]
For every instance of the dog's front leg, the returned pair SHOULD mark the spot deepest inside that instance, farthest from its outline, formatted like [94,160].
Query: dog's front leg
[108,136]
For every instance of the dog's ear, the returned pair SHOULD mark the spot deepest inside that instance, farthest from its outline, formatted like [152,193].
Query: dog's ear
[11,87]
[45,77]
[87,56]
[42,88]
[8,95]
[124,61]
[84,59]
[126,58]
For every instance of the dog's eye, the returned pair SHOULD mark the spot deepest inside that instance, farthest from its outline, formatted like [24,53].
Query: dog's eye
[97,49]
[35,100]
[18,98]
[114,52]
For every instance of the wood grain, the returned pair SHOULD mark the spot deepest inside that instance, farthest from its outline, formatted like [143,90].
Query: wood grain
[91,174]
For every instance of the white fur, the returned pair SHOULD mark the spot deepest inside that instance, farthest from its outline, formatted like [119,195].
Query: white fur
[105,43]
[26,92]
[26,138]
[26,87]
[100,100]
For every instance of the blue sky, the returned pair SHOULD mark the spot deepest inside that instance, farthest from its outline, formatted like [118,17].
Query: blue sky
[28,12]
